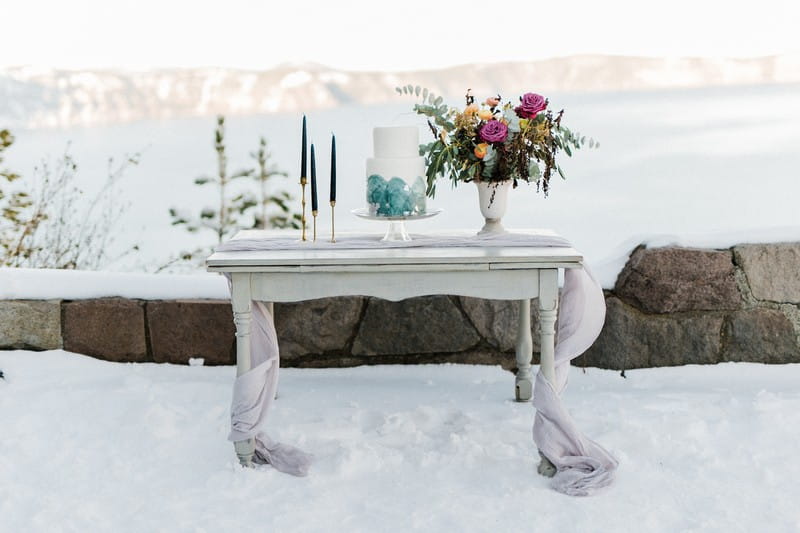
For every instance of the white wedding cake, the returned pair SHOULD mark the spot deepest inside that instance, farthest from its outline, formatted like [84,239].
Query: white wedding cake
[396,175]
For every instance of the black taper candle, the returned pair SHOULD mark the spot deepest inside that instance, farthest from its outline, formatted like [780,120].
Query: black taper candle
[314,205]
[333,168]
[303,155]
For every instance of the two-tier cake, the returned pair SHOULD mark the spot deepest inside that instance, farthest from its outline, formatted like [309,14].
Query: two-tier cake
[396,175]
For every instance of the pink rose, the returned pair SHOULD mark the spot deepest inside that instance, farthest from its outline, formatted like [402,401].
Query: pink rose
[494,131]
[531,105]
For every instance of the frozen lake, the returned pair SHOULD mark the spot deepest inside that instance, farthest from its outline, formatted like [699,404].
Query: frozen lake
[677,162]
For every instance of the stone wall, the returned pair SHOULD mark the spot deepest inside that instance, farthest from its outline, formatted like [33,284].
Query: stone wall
[670,306]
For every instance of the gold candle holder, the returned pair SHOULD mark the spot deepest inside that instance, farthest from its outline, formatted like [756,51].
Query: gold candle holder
[303,182]
[314,215]
[333,218]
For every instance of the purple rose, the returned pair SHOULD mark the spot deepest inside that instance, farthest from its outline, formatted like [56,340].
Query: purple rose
[494,131]
[531,104]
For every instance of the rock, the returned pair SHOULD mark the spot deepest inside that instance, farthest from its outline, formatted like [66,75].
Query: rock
[469,357]
[772,270]
[668,280]
[108,328]
[30,324]
[317,326]
[632,339]
[496,321]
[429,324]
[180,329]
[760,335]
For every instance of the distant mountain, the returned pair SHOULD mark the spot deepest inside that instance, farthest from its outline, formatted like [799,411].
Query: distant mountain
[35,98]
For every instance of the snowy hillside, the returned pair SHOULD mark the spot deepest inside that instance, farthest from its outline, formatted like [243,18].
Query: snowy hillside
[34,98]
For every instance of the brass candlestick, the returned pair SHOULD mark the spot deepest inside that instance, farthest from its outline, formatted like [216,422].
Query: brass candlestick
[333,226]
[314,214]
[303,182]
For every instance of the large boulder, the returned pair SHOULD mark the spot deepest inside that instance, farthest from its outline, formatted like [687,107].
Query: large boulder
[30,324]
[497,320]
[108,328]
[772,270]
[317,327]
[429,324]
[632,339]
[760,335]
[183,329]
[669,280]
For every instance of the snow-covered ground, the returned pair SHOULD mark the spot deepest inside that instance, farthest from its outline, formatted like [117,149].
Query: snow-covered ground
[88,445]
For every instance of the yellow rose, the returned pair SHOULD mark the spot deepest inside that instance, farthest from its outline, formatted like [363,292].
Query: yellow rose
[481,149]
[485,114]
[471,109]
[523,123]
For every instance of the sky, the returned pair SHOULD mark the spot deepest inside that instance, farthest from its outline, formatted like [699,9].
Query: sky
[377,35]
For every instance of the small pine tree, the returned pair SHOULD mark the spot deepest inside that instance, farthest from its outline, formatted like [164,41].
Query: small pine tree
[262,216]
[222,220]
[16,220]
[237,210]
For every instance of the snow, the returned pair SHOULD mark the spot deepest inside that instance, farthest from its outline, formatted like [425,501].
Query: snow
[88,445]
[47,284]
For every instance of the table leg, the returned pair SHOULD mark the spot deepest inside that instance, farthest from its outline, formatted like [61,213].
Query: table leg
[523,382]
[271,309]
[548,309]
[241,300]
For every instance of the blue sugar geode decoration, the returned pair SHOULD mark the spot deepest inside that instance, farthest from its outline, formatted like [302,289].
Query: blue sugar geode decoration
[394,197]
[399,198]
[418,191]
[376,189]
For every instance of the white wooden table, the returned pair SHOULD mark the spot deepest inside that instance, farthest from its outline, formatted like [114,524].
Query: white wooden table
[502,273]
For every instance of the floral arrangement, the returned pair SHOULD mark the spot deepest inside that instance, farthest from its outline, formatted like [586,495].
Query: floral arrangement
[494,141]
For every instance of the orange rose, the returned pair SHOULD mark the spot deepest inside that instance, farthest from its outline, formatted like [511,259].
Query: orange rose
[481,149]
[485,114]
[471,109]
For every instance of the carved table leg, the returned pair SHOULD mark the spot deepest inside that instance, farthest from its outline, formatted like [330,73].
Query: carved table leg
[241,301]
[524,379]
[548,309]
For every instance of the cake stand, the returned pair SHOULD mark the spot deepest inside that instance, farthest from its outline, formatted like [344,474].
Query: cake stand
[397,228]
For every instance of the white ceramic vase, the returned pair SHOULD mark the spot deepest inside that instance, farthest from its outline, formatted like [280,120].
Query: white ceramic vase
[493,199]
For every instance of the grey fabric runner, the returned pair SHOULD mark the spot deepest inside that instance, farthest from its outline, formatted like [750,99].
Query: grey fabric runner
[365,241]
[583,466]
